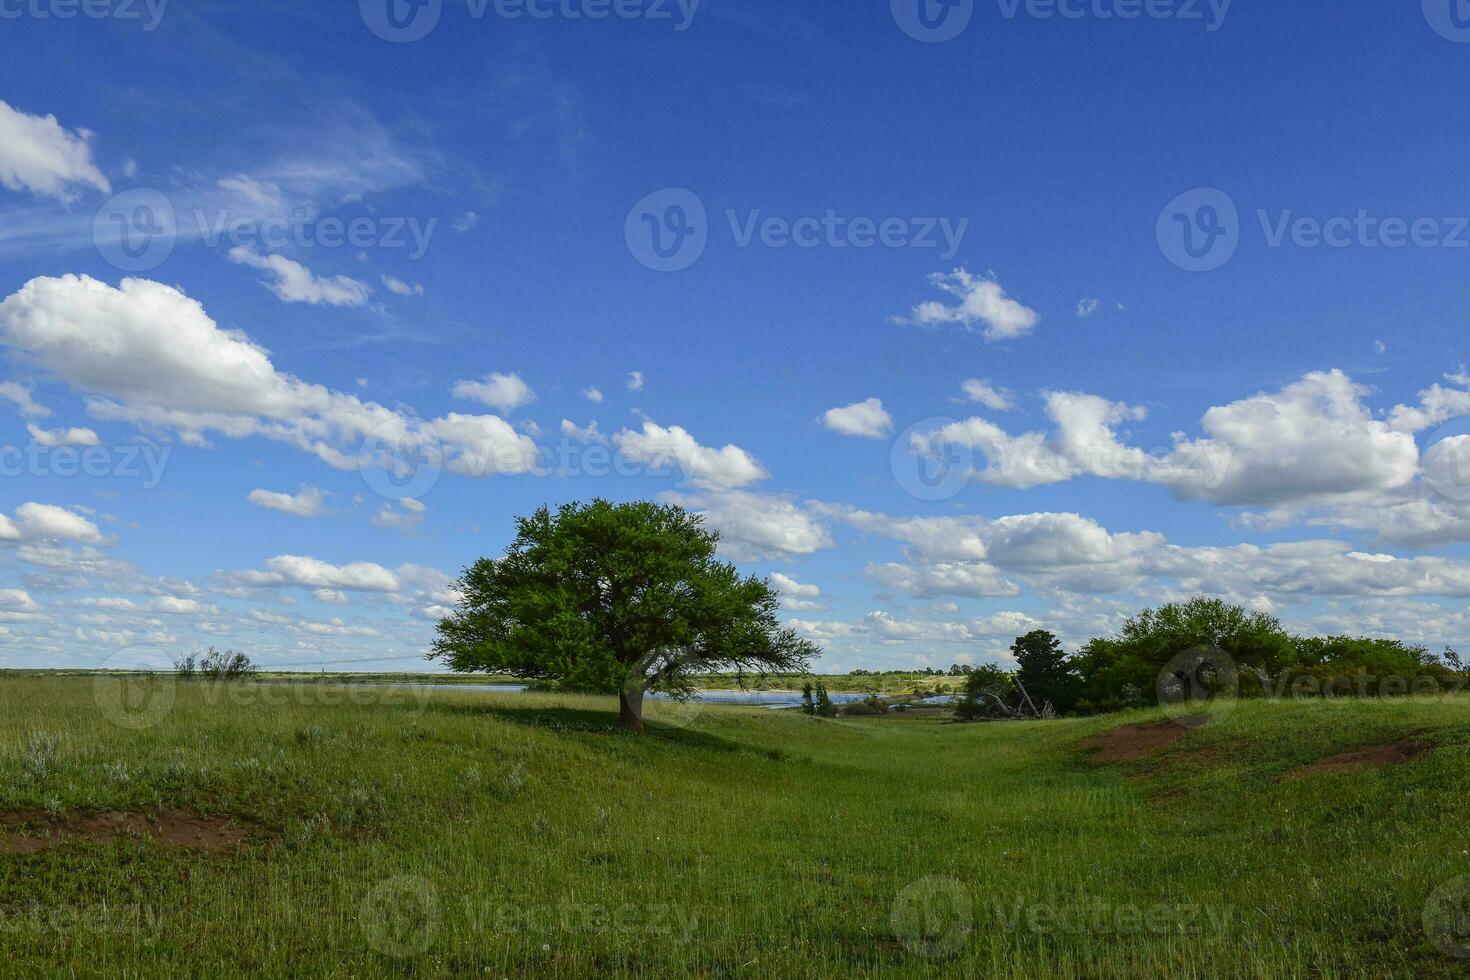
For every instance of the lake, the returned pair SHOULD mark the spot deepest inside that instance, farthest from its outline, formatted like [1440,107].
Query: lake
[754,699]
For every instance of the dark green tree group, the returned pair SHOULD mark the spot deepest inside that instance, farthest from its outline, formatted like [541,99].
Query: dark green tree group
[1197,649]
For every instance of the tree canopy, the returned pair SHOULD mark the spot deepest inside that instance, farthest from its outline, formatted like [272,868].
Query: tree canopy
[616,598]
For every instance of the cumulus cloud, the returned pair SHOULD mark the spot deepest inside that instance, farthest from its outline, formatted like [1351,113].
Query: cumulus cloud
[50,438]
[866,419]
[313,573]
[1084,442]
[753,526]
[147,354]
[586,436]
[790,586]
[12,391]
[883,627]
[400,288]
[502,392]
[307,503]
[1311,441]
[409,515]
[994,398]
[49,522]
[674,448]
[976,556]
[635,381]
[973,579]
[295,283]
[982,304]
[593,395]
[39,155]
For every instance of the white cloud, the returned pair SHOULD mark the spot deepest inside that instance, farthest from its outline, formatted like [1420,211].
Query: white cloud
[1310,441]
[465,222]
[635,381]
[754,526]
[39,155]
[61,437]
[409,517]
[313,573]
[502,392]
[790,586]
[993,398]
[307,503]
[1313,439]
[981,301]
[48,521]
[295,283]
[1085,441]
[174,606]
[586,436]
[21,395]
[1087,307]
[147,354]
[657,447]
[867,420]
[401,288]
[593,395]
[970,579]
[17,600]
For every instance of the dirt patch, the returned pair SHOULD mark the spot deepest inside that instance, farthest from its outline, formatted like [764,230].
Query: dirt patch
[1376,757]
[1131,742]
[26,832]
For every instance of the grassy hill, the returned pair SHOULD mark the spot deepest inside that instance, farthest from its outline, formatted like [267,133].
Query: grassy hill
[315,832]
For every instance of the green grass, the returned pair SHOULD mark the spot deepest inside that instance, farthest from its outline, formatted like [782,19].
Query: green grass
[526,837]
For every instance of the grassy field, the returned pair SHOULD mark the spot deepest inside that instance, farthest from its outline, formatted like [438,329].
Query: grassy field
[383,832]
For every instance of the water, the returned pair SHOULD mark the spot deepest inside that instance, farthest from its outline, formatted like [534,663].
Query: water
[752,699]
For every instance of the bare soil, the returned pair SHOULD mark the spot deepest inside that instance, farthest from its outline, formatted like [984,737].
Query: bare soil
[1131,742]
[1376,757]
[30,831]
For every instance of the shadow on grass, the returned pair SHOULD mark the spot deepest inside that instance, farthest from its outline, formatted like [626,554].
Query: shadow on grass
[587,721]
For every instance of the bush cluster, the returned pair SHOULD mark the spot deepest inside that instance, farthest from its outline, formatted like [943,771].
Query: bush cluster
[216,665]
[1128,669]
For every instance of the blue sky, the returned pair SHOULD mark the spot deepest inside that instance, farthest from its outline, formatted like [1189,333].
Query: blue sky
[420,248]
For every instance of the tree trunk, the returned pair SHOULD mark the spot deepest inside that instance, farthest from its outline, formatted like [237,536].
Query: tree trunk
[630,709]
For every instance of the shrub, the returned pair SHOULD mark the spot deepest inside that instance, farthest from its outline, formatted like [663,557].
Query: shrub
[225,665]
[869,705]
[990,692]
[40,755]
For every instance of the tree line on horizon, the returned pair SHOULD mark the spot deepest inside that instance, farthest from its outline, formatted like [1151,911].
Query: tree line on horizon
[1198,649]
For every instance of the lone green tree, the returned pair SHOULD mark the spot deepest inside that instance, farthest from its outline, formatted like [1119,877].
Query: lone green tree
[616,598]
